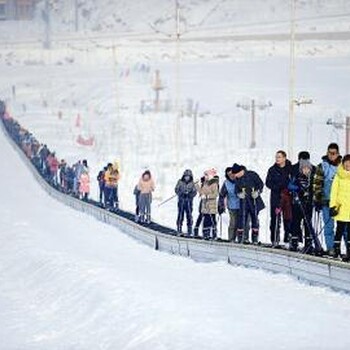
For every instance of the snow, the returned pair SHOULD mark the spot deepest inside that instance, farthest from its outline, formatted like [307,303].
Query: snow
[70,282]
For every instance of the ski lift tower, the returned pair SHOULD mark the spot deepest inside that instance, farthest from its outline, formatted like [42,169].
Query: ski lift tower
[157,87]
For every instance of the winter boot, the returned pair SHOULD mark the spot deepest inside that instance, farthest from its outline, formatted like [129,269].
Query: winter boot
[189,231]
[214,233]
[294,244]
[206,234]
[255,236]
[336,252]
[347,255]
[195,232]
[239,236]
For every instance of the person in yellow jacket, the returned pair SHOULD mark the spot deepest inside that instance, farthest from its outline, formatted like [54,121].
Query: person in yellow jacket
[111,187]
[340,205]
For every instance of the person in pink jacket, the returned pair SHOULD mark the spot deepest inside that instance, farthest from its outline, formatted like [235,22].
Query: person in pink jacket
[146,186]
[53,166]
[84,184]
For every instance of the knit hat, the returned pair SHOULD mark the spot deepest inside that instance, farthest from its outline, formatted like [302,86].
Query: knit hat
[236,168]
[211,173]
[305,155]
[304,163]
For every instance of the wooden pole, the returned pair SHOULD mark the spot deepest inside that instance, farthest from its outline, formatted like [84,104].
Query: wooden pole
[253,132]
[291,122]
[347,135]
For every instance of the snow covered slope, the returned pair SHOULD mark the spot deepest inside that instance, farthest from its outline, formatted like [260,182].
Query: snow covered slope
[70,282]
[149,15]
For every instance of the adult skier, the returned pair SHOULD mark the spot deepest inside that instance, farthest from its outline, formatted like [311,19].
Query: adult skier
[325,173]
[277,180]
[248,188]
[186,191]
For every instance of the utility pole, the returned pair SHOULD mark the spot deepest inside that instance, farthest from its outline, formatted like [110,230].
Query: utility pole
[177,98]
[253,133]
[157,87]
[291,81]
[47,20]
[195,120]
[252,108]
[347,135]
[76,13]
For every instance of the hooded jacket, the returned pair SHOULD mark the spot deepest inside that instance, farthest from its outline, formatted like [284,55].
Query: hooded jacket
[340,194]
[323,179]
[250,182]
[186,189]
[209,193]
[228,192]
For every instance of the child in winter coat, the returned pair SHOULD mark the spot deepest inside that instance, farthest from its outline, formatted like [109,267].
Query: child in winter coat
[84,184]
[209,193]
[340,205]
[146,186]
[186,191]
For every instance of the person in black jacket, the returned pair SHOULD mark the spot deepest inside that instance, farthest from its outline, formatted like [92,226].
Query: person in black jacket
[186,191]
[101,183]
[248,188]
[301,187]
[277,180]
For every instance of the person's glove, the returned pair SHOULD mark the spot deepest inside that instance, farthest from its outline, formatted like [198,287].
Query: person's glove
[293,188]
[241,195]
[255,194]
[318,206]
[333,211]
[221,209]
[278,211]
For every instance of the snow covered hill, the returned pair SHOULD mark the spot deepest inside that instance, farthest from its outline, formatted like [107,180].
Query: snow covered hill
[149,15]
[70,282]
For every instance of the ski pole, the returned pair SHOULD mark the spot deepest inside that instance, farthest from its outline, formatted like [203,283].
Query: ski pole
[221,226]
[171,198]
[167,200]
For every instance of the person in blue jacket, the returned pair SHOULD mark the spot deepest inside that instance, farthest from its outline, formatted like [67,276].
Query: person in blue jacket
[228,199]
[322,183]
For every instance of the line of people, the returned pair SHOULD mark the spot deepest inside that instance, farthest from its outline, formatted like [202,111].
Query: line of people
[300,194]
[73,179]
[240,194]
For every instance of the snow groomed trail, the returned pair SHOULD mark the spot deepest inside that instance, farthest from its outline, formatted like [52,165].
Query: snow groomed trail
[69,282]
